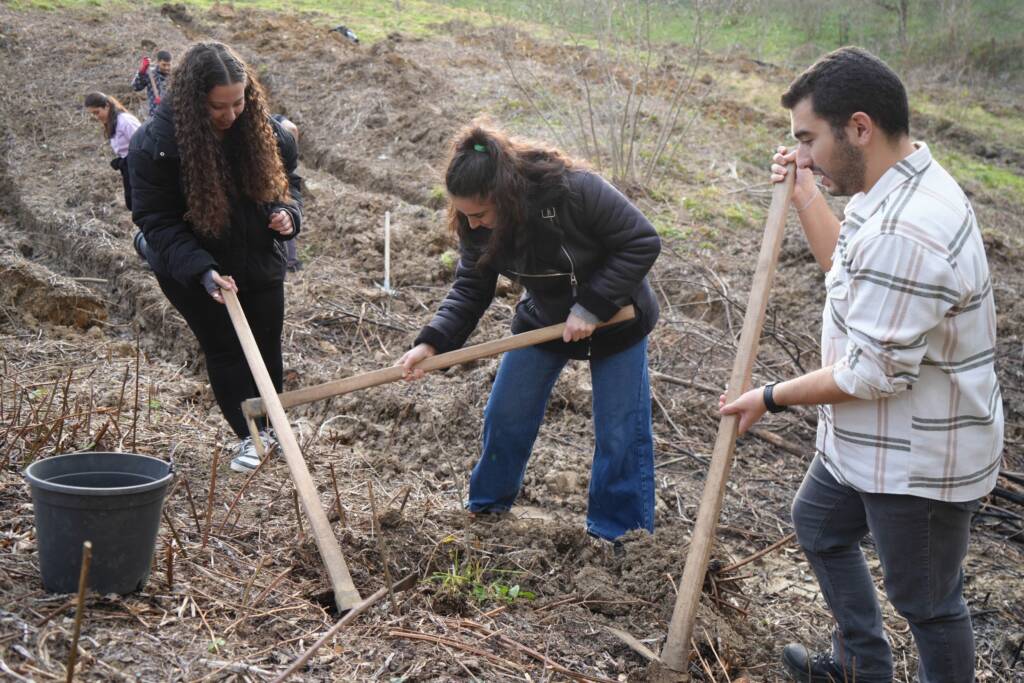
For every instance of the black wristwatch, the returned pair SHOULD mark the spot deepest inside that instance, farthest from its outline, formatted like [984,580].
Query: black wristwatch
[769,402]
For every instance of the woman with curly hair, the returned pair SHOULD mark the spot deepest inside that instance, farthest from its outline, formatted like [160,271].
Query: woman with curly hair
[215,194]
[118,127]
[581,251]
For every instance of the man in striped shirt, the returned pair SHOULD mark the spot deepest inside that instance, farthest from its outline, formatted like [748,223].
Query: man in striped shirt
[910,426]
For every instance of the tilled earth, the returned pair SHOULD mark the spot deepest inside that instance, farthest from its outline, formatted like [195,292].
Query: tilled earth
[94,357]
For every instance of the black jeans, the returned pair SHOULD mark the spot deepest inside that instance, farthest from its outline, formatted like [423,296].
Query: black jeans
[921,544]
[226,366]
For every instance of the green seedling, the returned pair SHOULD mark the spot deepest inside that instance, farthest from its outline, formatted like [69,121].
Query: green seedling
[473,579]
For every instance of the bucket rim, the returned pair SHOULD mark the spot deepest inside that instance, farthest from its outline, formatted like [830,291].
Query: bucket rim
[37,482]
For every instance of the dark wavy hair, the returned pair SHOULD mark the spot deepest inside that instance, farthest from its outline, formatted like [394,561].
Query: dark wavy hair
[113,107]
[849,80]
[248,162]
[518,175]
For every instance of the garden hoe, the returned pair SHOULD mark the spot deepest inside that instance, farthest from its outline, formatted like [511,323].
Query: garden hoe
[256,407]
[672,665]
[345,594]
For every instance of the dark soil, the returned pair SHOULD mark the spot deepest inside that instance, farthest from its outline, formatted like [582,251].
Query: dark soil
[94,357]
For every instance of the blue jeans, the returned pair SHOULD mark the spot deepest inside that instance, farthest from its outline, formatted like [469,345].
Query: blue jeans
[921,544]
[622,474]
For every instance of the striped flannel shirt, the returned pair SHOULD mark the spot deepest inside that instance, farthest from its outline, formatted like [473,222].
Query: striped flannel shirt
[909,326]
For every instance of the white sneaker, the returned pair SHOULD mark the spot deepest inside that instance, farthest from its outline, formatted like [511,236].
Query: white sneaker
[246,458]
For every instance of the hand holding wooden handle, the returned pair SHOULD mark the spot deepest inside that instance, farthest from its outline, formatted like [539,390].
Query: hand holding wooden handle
[254,406]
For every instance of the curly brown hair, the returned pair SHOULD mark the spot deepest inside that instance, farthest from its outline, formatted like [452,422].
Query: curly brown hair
[516,174]
[247,163]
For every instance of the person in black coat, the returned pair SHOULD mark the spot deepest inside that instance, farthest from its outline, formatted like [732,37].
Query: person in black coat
[215,193]
[582,251]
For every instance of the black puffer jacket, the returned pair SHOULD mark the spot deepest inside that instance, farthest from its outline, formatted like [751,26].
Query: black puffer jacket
[589,245]
[248,250]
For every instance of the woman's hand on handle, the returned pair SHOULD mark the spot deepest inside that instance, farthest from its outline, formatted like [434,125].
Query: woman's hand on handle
[576,328]
[805,189]
[214,282]
[412,357]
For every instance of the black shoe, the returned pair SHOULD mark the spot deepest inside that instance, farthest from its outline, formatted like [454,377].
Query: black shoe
[819,668]
[139,241]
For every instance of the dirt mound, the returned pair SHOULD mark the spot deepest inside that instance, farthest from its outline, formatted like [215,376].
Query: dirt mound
[31,294]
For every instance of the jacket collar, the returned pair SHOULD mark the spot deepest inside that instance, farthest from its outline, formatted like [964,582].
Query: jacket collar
[863,205]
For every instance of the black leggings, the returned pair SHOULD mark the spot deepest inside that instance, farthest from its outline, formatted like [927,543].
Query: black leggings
[229,373]
[127,183]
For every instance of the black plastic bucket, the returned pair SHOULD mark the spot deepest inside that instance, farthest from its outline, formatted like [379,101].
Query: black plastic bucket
[111,499]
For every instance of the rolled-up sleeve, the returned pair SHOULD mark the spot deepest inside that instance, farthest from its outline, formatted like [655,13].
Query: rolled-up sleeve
[899,292]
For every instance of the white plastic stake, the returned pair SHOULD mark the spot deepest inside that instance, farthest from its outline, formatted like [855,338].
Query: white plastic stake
[387,251]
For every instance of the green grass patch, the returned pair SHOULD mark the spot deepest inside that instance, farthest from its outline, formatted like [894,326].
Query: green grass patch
[449,259]
[668,228]
[962,109]
[438,197]
[668,23]
[992,178]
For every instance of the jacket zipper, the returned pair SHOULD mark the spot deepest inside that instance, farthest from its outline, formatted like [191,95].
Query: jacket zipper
[572,271]
[518,274]
[574,283]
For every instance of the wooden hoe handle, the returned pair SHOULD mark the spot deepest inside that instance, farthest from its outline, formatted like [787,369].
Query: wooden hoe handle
[345,594]
[254,407]
[680,629]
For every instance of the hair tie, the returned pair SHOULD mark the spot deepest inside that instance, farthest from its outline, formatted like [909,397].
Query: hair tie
[480,148]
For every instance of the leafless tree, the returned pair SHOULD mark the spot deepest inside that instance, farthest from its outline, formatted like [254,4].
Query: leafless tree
[632,97]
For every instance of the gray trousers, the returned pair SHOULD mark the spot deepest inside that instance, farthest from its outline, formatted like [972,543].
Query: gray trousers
[921,544]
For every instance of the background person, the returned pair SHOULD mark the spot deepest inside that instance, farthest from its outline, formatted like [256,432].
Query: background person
[118,128]
[154,79]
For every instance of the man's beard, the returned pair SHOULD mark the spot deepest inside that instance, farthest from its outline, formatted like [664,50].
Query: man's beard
[847,176]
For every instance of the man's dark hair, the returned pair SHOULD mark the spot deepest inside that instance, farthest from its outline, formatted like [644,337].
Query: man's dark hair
[849,80]
[163,56]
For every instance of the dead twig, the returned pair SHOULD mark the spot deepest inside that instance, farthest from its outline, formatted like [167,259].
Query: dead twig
[375,529]
[366,604]
[342,518]
[238,496]
[174,532]
[209,497]
[548,662]
[83,584]
[786,540]
[458,645]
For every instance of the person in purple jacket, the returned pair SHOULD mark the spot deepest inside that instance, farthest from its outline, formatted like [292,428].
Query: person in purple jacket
[118,127]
